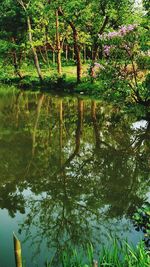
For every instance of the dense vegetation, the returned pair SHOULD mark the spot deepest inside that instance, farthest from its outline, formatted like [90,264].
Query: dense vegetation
[107,41]
[70,148]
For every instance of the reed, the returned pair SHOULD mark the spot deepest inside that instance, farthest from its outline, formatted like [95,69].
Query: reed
[17,251]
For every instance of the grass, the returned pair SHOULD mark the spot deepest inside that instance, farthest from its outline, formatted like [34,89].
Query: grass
[52,81]
[117,255]
[29,70]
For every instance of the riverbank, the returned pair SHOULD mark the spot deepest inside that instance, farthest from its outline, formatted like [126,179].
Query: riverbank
[66,83]
[51,80]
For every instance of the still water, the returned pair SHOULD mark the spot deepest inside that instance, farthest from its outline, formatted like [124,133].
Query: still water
[73,170]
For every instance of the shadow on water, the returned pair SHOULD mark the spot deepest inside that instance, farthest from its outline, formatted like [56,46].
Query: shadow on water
[74,169]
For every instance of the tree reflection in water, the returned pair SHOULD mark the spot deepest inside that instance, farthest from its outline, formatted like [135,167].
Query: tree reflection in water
[85,164]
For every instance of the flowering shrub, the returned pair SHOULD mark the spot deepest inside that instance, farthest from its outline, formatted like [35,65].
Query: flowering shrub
[126,56]
[94,70]
[107,49]
[98,66]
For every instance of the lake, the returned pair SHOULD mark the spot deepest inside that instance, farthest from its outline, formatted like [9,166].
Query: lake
[73,170]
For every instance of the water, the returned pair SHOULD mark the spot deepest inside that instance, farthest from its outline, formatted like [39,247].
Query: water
[72,170]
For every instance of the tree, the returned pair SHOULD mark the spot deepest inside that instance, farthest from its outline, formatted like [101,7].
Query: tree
[13,34]
[106,15]
[76,42]
[26,7]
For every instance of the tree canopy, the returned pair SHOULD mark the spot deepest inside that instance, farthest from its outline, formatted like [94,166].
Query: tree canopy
[57,32]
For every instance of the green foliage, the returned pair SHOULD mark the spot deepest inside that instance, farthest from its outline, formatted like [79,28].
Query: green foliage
[141,221]
[143,62]
[147,6]
[88,19]
[146,83]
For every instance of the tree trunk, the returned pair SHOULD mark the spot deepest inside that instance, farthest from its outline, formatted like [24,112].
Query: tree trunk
[91,53]
[53,57]
[16,65]
[58,45]
[46,55]
[42,56]
[15,62]
[66,53]
[100,51]
[95,51]
[77,54]
[73,53]
[84,53]
[96,43]
[36,61]
[76,47]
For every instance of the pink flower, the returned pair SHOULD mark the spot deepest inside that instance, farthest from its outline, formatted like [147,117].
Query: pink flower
[96,64]
[107,49]
[99,66]
[110,35]
[130,27]
[123,30]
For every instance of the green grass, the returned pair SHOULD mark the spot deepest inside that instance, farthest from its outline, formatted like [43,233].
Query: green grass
[52,81]
[65,82]
[118,255]
[69,70]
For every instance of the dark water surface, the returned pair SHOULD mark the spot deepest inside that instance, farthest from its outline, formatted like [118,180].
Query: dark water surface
[72,170]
